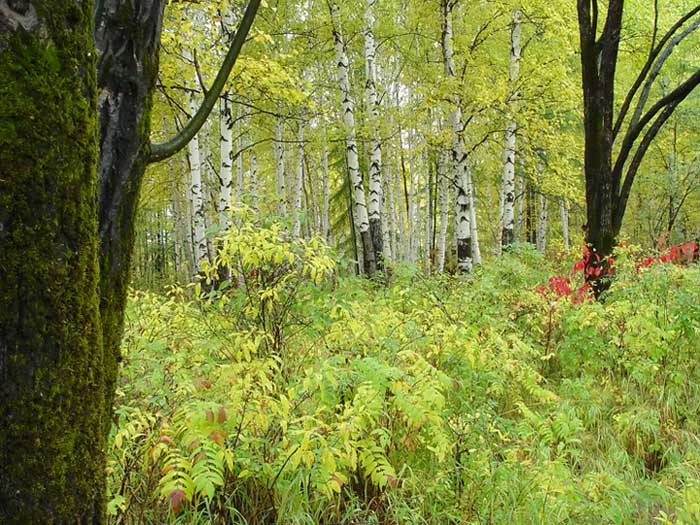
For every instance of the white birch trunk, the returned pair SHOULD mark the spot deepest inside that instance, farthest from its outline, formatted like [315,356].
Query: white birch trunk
[389,214]
[411,255]
[541,231]
[444,195]
[476,248]
[280,177]
[521,203]
[197,196]
[428,222]
[460,171]
[253,184]
[298,181]
[361,218]
[401,202]
[325,206]
[542,224]
[376,194]
[564,223]
[225,159]
[508,185]
[240,166]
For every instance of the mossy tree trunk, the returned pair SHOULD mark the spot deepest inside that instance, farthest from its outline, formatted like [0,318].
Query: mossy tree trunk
[52,411]
[128,39]
[67,218]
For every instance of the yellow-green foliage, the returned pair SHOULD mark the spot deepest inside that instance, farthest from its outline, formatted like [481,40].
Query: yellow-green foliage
[299,397]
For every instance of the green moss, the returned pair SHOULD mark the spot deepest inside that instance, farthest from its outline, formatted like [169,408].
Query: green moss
[51,361]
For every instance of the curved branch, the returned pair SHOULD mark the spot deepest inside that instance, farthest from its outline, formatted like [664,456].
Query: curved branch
[674,98]
[647,66]
[168,148]
[656,69]
[638,157]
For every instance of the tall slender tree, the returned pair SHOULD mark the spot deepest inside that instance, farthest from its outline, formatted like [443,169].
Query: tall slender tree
[360,215]
[508,184]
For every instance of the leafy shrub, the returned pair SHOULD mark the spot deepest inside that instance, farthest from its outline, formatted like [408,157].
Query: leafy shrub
[290,395]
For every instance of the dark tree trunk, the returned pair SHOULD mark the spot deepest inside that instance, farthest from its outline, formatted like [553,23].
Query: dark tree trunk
[609,179]
[599,61]
[52,384]
[128,38]
[61,300]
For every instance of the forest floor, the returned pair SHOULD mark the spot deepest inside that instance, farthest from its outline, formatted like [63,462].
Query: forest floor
[301,397]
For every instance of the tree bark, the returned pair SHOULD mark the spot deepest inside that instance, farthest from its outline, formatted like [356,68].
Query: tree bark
[444,191]
[361,218]
[609,179]
[460,169]
[564,223]
[197,198]
[299,181]
[376,193]
[225,159]
[509,150]
[54,381]
[280,167]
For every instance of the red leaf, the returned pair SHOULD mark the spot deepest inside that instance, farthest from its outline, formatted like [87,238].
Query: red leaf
[210,415]
[392,481]
[217,436]
[176,497]
[165,439]
[222,415]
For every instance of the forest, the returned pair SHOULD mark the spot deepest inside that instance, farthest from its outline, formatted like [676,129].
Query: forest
[316,262]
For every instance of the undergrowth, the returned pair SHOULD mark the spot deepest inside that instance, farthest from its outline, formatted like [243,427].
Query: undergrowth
[294,396]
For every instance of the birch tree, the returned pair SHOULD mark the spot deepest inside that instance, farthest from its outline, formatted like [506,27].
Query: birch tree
[564,211]
[460,169]
[298,180]
[444,199]
[376,194]
[360,215]
[280,166]
[226,158]
[199,239]
[509,150]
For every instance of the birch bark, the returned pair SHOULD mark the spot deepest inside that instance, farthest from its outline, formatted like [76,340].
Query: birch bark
[509,150]
[360,215]
[298,180]
[199,240]
[225,159]
[280,176]
[463,239]
[376,194]
[444,191]
[564,223]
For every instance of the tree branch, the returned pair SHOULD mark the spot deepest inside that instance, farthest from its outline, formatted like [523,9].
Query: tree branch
[656,69]
[621,204]
[647,66]
[672,99]
[166,149]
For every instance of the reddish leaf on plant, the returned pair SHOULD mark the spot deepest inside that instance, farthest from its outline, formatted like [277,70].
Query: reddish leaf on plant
[217,436]
[176,497]
[165,439]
